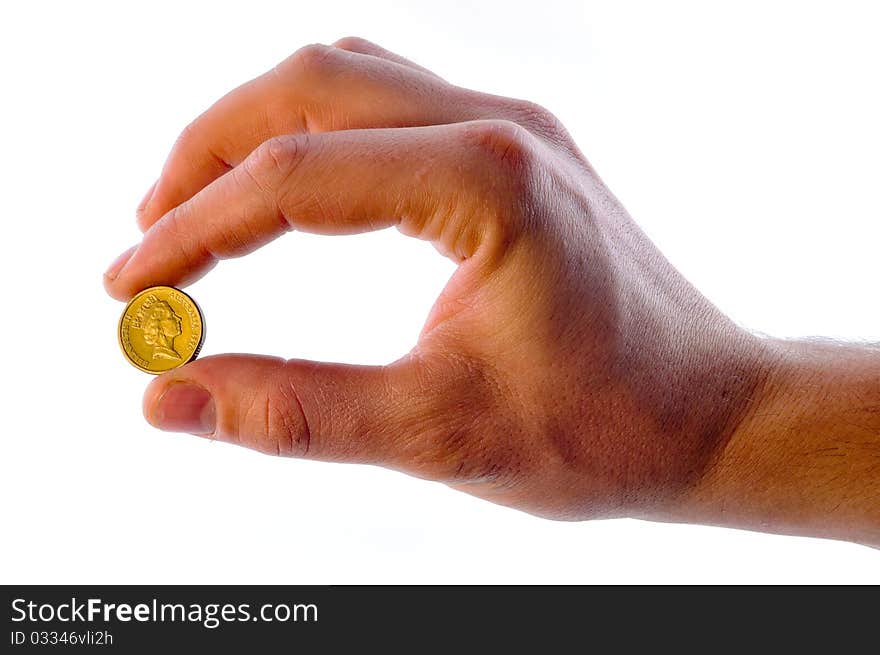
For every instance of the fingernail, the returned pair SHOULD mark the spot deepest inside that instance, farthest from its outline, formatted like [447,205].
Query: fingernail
[114,268]
[145,201]
[185,407]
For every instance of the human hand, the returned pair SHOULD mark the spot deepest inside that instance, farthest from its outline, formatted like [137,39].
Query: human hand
[567,369]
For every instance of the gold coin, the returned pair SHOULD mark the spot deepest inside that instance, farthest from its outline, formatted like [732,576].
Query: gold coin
[161,328]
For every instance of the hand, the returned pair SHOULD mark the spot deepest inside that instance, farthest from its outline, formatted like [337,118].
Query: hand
[567,369]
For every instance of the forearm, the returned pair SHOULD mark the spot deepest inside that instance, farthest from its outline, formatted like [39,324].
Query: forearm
[805,458]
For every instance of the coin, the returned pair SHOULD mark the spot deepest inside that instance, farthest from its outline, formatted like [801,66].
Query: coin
[161,328]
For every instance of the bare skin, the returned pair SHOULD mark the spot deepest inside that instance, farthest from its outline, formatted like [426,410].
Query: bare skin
[567,369]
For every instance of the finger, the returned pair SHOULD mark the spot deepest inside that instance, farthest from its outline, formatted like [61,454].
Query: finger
[319,89]
[386,415]
[453,185]
[271,405]
[207,148]
[365,47]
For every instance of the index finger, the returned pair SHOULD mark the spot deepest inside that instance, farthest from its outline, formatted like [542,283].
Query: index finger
[446,184]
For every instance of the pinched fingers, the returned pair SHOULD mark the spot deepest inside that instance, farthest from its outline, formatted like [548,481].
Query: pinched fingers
[317,89]
[354,84]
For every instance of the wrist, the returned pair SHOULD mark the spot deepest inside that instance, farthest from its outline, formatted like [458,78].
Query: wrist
[804,455]
[708,392]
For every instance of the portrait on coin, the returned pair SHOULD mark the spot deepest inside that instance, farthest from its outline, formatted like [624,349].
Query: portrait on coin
[161,325]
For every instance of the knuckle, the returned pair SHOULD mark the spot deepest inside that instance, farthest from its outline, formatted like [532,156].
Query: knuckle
[536,117]
[508,174]
[312,59]
[187,142]
[188,135]
[353,43]
[284,152]
[181,235]
[177,223]
[503,142]
[229,240]
[281,426]
[274,160]
[193,143]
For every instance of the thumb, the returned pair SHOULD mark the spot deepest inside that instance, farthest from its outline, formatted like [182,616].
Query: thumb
[339,412]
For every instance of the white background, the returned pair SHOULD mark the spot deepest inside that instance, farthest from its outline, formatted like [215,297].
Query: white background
[742,136]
